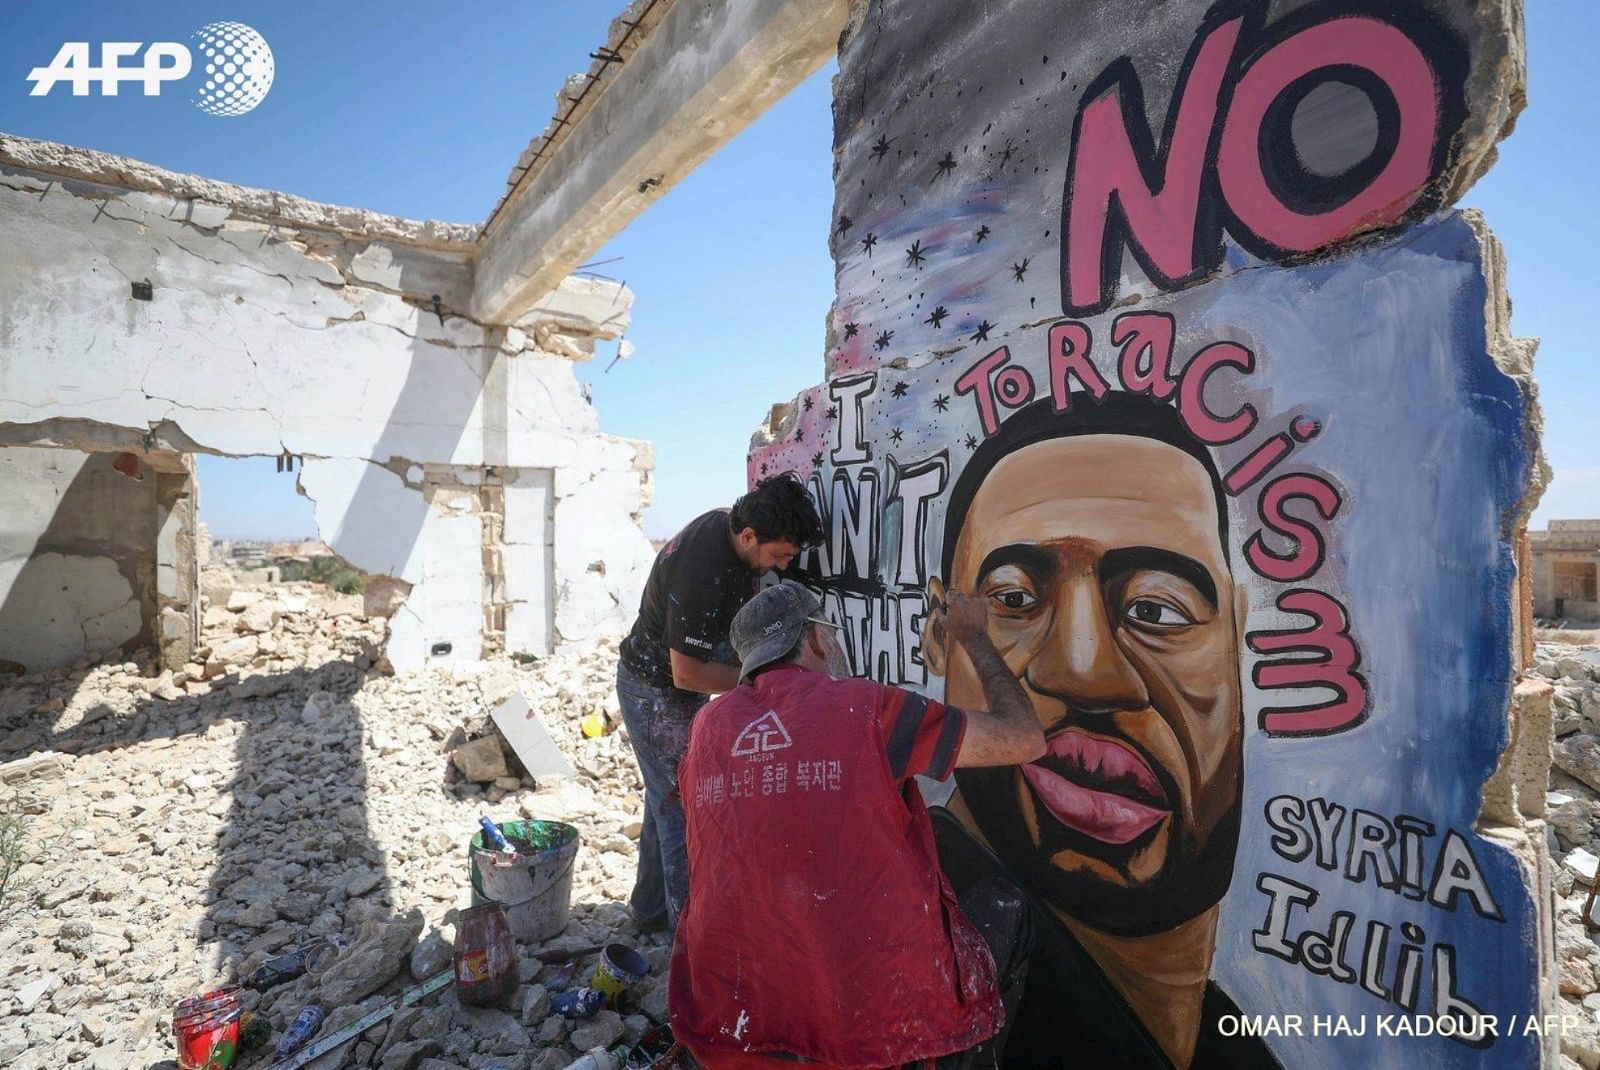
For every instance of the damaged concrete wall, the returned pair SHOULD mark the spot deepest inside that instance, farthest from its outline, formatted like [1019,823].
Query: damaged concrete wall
[147,311]
[1155,330]
[77,556]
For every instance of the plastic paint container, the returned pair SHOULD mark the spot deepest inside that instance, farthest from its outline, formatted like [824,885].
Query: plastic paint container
[536,889]
[206,1029]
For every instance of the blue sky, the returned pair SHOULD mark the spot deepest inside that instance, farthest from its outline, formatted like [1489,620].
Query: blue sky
[420,109]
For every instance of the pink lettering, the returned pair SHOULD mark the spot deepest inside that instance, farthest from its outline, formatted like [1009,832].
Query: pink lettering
[1333,667]
[1366,43]
[1146,341]
[988,383]
[1156,197]
[1306,557]
[1202,422]
[1069,355]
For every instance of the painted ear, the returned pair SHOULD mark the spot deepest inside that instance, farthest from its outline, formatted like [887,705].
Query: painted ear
[933,635]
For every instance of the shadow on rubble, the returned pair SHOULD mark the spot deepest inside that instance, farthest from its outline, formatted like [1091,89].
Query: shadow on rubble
[289,827]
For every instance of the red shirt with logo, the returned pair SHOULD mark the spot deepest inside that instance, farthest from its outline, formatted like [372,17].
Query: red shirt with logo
[819,924]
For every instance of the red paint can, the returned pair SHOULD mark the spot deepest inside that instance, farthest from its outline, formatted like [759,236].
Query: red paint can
[206,1029]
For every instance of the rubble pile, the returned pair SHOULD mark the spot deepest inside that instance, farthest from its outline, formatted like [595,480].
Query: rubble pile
[186,827]
[1573,831]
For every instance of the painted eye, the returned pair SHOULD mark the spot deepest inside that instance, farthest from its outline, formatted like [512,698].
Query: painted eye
[1014,598]
[1157,614]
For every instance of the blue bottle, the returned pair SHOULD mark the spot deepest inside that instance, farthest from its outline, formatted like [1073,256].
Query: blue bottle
[304,1028]
[578,1003]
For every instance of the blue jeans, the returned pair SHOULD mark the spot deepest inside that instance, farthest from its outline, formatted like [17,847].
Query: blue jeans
[658,721]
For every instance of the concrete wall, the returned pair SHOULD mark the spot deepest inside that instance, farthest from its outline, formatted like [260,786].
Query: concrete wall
[1154,329]
[77,556]
[272,326]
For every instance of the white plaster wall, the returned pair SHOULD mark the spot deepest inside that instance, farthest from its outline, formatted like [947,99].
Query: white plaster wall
[57,607]
[261,338]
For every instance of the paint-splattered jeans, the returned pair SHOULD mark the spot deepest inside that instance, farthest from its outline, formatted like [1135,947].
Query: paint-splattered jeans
[658,726]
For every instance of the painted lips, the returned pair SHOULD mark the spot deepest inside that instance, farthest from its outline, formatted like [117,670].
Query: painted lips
[1098,787]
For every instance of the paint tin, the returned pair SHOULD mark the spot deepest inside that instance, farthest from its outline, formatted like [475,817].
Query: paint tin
[619,969]
[206,1029]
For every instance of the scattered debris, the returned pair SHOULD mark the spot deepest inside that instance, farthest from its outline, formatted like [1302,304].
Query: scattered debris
[211,833]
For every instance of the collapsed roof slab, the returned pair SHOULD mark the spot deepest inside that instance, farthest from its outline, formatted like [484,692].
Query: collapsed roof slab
[703,73]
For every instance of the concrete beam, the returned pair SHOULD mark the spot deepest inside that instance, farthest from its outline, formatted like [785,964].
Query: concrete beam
[707,71]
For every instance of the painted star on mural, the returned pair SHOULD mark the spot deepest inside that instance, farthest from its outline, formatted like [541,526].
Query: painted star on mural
[763,467]
[896,435]
[799,435]
[982,232]
[882,341]
[850,330]
[899,390]
[880,148]
[971,443]
[914,255]
[845,223]
[868,242]
[1019,270]
[942,402]
[982,333]
[833,412]
[1007,152]
[945,166]
[807,403]
[816,459]
[938,315]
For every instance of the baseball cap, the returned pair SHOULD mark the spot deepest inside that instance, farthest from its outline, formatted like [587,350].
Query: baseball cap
[769,625]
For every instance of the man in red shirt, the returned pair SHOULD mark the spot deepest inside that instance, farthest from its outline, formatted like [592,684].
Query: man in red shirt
[819,928]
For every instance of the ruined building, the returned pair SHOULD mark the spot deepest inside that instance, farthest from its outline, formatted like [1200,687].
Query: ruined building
[1566,558]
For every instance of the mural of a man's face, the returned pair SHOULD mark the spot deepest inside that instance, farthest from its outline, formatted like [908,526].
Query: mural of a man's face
[1109,595]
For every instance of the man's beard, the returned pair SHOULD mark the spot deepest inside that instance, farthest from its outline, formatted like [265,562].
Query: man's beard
[1192,878]
[838,663]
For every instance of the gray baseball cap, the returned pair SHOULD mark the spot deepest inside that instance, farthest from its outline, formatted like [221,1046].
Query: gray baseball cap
[769,625]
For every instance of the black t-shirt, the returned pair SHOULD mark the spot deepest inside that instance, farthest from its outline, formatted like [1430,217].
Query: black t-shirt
[1070,1013]
[695,587]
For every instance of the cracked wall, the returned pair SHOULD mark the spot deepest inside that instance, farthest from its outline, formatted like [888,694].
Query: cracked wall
[186,316]
[77,556]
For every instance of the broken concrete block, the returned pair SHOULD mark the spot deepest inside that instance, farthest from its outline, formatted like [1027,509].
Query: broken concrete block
[42,766]
[370,962]
[431,955]
[601,1031]
[258,617]
[481,760]
[535,1004]
[319,707]
[1579,757]
[1582,863]
[239,601]
[260,685]
[530,742]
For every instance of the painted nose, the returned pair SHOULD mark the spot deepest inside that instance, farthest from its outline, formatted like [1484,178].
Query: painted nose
[1080,662]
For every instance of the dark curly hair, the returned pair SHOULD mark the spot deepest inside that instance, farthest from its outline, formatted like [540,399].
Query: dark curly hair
[779,508]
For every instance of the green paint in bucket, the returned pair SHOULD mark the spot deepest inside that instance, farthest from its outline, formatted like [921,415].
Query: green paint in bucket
[536,890]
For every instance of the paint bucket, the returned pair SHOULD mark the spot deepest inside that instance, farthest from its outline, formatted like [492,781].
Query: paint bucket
[535,889]
[619,969]
[206,1029]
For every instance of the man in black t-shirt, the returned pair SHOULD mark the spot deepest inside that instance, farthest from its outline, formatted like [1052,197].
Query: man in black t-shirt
[678,654]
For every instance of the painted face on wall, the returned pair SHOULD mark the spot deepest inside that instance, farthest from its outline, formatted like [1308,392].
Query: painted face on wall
[1109,595]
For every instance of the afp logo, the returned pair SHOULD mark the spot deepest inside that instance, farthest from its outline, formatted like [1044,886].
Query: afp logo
[238,68]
